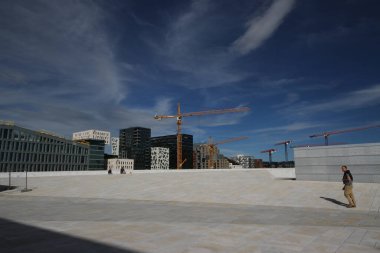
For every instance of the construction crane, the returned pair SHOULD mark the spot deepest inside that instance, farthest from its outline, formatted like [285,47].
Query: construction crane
[212,148]
[270,152]
[285,143]
[327,134]
[181,115]
[316,145]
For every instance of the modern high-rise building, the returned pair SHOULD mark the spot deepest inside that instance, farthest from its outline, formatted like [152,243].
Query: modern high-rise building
[160,158]
[24,149]
[134,143]
[170,141]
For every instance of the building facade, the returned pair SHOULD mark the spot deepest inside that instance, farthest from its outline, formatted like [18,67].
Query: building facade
[246,161]
[322,163]
[135,144]
[170,142]
[96,154]
[202,156]
[115,141]
[93,135]
[115,165]
[160,158]
[24,149]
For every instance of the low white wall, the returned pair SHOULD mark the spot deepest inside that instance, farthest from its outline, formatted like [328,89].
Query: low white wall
[279,173]
[323,163]
[54,173]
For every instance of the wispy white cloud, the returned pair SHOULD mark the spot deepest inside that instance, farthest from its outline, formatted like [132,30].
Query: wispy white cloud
[358,99]
[59,70]
[261,27]
[187,49]
[297,126]
[46,40]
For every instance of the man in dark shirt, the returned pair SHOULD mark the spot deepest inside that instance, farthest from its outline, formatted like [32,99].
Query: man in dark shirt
[347,181]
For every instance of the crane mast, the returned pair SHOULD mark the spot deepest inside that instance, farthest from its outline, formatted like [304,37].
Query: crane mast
[179,117]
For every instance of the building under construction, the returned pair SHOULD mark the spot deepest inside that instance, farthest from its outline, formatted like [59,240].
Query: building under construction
[202,158]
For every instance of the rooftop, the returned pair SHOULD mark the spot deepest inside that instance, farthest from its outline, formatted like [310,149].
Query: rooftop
[189,211]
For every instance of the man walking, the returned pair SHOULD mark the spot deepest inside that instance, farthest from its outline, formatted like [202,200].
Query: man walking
[347,181]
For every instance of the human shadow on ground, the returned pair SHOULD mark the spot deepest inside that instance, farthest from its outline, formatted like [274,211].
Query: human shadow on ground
[337,202]
[19,238]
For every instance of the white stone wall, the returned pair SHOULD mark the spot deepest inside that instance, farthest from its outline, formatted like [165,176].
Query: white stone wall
[115,141]
[160,158]
[323,163]
[94,135]
[115,165]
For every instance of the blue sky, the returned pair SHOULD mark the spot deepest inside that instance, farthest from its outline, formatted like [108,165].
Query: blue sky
[303,67]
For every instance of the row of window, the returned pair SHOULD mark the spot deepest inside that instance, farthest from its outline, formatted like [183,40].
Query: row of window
[16,134]
[40,147]
[17,167]
[41,158]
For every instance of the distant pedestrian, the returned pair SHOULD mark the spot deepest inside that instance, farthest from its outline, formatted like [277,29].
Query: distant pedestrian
[109,172]
[347,181]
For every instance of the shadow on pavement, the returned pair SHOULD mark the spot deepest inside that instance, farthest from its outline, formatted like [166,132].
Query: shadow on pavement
[16,237]
[337,202]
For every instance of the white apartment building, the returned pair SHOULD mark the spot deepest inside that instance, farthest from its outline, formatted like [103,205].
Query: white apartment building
[93,135]
[160,158]
[115,141]
[245,161]
[115,165]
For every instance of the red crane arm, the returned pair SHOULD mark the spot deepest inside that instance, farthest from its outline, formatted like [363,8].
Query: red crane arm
[343,131]
[282,143]
[231,140]
[317,145]
[268,151]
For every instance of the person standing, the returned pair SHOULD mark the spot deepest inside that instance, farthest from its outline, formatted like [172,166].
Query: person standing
[347,181]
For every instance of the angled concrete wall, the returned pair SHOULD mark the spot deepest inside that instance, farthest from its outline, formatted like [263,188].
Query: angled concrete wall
[323,163]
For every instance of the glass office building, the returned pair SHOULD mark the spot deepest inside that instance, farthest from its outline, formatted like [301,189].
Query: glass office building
[96,155]
[135,144]
[24,149]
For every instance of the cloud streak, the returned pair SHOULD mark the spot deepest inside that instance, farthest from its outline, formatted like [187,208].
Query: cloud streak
[352,100]
[44,41]
[260,28]
[298,126]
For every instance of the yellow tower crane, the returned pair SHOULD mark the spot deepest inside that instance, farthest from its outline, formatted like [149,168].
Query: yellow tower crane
[181,115]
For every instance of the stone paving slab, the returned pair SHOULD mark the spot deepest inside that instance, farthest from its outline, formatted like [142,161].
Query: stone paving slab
[187,212]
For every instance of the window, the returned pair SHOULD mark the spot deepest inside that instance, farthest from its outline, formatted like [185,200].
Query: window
[5,134]
[22,136]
